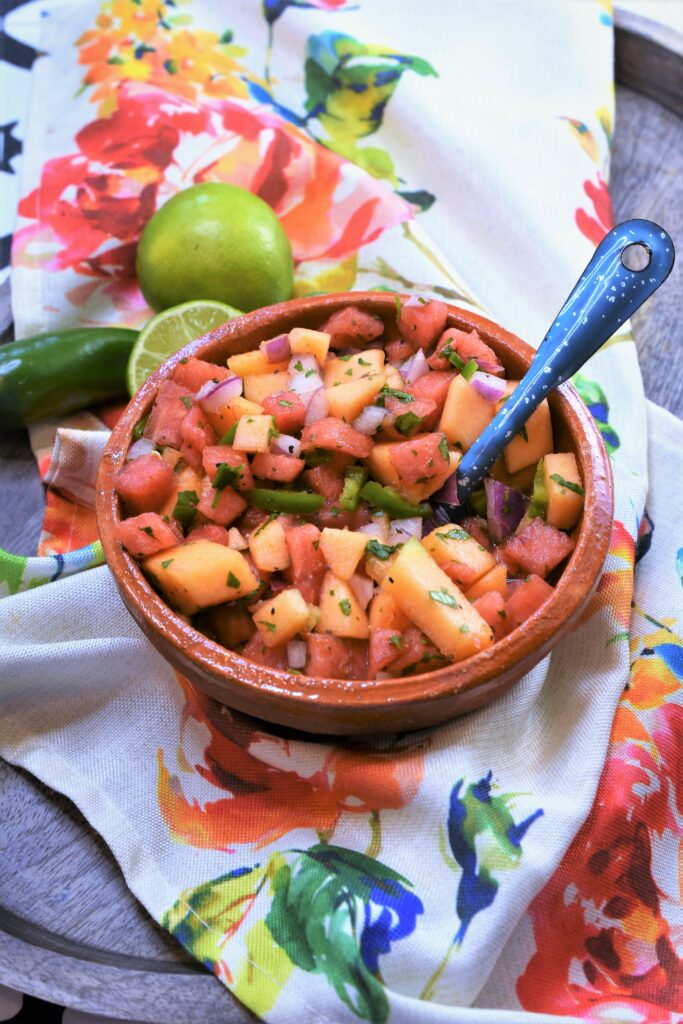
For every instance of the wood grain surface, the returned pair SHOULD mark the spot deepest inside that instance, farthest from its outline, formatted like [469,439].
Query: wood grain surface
[70,930]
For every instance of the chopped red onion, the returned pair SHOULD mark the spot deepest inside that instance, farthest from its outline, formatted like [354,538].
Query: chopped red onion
[369,420]
[297,653]
[438,518]
[401,530]
[277,349]
[376,529]
[486,366]
[414,368]
[317,406]
[236,541]
[448,495]
[305,383]
[489,387]
[284,444]
[220,394]
[363,588]
[302,363]
[412,301]
[142,447]
[505,507]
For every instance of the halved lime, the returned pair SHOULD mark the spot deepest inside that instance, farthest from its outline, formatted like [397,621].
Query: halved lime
[169,331]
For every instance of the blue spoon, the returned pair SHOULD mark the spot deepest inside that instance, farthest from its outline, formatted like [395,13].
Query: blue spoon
[606,295]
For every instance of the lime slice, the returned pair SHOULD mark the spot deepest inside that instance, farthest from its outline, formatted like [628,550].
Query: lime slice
[169,331]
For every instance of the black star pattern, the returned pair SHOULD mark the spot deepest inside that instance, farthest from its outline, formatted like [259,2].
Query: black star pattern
[9,146]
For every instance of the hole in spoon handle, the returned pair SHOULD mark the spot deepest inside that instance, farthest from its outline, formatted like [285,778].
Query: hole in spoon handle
[605,296]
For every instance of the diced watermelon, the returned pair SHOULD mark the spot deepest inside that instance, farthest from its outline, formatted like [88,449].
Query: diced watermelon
[168,411]
[468,345]
[222,454]
[196,433]
[382,650]
[287,409]
[420,457]
[221,507]
[336,517]
[144,483]
[325,481]
[272,657]
[334,435]
[352,326]
[434,387]
[538,548]
[231,624]
[462,575]
[422,323]
[146,534]
[416,653]
[210,531]
[284,468]
[422,408]
[526,598]
[330,657]
[307,564]
[491,606]
[194,373]
[476,528]
[399,350]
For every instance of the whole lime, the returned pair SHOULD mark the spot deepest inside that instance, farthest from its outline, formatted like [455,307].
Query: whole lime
[215,241]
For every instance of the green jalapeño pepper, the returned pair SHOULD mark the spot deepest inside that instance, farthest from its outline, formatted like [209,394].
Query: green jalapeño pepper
[354,478]
[62,371]
[391,502]
[296,502]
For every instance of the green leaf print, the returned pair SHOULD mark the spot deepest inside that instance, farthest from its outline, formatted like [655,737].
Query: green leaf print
[12,568]
[594,397]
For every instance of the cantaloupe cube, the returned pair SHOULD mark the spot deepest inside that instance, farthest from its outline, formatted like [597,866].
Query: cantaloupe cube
[279,619]
[538,430]
[393,379]
[187,479]
[343,550]
[200,573]
[429,598]
[268,547]
[381,526]
[564,489]
[378,568]
[340,613]
[450,543]
[171,456]
[254,433]
[494,580]
[343,370]
[382,468]
[521,481]
[249,363]
[227,415]
[259,386]
[303,341]
[385,613]
[346,401]
[465,413]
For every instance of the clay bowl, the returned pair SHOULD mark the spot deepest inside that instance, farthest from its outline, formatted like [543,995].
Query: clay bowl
[345,707]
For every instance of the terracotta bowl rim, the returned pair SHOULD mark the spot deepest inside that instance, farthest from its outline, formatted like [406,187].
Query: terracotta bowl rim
[526,645]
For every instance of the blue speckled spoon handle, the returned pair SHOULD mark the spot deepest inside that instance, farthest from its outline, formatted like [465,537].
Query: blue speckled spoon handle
[606,295]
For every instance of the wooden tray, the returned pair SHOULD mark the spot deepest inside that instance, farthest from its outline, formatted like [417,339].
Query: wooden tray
[70,930]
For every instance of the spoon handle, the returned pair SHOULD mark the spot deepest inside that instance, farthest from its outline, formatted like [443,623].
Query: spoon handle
[606,295]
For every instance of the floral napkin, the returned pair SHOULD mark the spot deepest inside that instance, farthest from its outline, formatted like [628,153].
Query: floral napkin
[517,864]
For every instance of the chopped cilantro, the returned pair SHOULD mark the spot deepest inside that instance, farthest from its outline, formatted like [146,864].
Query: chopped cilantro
[186,507]
[470,368]
[273,432]
[183,360]
[226,475]
[387,392]
[148,530]
[443,448]
[407,423]
[443,597]
[349,373]
[229,436]
[186,400]
[165,565]
[396,641]
[140,427]
[422,301]
[343,359]
[316,545]
[345,606]
[298,365]
[266,522]
[309,373]
[464,628]
[379,550]
[502,613]
[398,306]
[270,626]
[453,358]
[455,533]
[576,488]
[232,580]
[363,362]
[285,403]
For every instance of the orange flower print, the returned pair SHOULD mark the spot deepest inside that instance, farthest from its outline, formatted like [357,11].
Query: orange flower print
[89,209]
[262,789]
[596,223]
